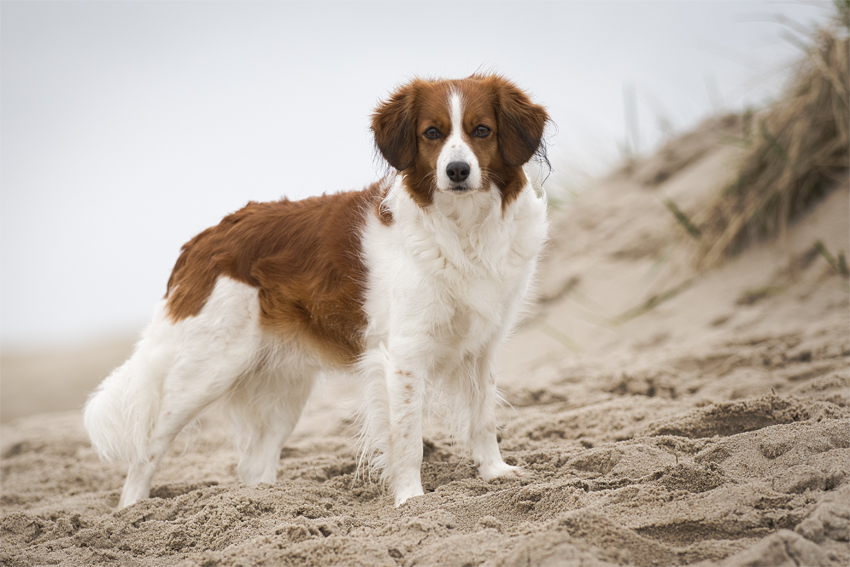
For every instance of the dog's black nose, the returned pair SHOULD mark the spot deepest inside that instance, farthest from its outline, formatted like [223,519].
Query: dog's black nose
[457,171]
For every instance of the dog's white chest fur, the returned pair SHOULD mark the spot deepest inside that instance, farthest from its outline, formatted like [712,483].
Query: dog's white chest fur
[450,278]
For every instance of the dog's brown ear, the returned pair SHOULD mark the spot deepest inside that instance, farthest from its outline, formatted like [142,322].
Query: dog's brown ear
[520,123]
[394,126]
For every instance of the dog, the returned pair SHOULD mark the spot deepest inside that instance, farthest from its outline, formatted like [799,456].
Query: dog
[409,285]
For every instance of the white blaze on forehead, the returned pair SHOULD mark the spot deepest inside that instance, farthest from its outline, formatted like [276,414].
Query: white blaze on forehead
[456,106]
[457,149]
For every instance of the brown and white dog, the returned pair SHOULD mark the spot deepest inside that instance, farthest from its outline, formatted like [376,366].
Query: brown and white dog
[412,282]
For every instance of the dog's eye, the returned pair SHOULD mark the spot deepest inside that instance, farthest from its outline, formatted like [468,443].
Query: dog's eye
[481,131]
[432,133]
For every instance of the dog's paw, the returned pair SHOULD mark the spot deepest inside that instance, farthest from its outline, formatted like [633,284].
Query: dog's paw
[499,469]
[405,493]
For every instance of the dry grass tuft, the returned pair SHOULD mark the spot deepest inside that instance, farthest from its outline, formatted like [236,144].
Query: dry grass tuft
[800,150]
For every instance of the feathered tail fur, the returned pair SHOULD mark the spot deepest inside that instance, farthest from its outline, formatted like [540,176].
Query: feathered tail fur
[120,414]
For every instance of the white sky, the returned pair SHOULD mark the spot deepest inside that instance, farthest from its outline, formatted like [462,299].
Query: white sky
[128,127]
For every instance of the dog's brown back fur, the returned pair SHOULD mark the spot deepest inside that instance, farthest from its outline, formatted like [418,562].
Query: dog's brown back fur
[303,256]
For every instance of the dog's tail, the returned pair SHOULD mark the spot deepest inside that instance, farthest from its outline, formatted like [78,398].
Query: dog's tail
[121,413]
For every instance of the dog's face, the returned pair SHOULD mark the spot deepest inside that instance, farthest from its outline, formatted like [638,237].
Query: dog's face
[459,136]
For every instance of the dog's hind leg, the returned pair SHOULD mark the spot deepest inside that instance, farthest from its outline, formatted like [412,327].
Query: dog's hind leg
[189,387]
[214,349]
[264,410]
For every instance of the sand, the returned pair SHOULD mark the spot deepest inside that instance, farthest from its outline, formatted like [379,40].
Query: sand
[663,416]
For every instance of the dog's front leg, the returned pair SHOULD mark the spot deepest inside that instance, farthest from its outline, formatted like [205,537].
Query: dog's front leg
[482,426]
[405,389]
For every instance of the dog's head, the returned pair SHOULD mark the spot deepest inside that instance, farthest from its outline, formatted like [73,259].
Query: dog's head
[459,136]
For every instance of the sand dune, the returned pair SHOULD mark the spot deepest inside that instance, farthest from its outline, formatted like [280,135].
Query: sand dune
[664,416]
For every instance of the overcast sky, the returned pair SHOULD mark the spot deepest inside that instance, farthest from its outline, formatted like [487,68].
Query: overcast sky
[128,127]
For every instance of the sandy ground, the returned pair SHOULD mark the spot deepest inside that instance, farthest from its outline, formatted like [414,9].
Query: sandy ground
[664,416]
